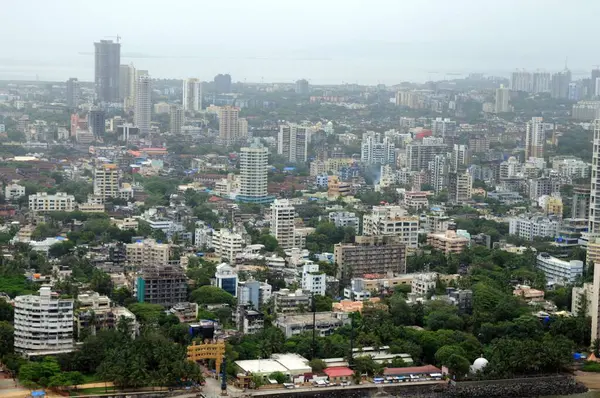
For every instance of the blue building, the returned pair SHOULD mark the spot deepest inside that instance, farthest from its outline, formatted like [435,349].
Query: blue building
[226,278]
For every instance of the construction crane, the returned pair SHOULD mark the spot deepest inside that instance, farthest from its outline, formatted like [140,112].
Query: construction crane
[117,37]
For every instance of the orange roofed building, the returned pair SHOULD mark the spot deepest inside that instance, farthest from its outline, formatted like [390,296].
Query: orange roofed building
[354,306]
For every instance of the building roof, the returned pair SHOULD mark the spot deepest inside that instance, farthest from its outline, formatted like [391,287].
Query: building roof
[411,370]
[261,366]
[338,371]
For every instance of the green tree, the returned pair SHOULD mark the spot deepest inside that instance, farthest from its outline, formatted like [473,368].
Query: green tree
[317,365]
[211,295]
[458,366]
[6,338]
[279,377]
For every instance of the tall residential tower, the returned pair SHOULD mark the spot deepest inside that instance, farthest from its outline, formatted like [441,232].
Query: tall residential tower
[106,72]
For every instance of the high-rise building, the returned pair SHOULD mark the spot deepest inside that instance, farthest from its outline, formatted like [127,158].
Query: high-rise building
[535,138]
[131,75]
[227,244]
[125,131]
[418,155]
[376,149]
[143,104]
[459,187]
[147,252]
[594,216]
[581,202]
[479,143]
[541,82]
[223,83]
[231,127]
[313,281]
[283,214]
[560,84]
[73,93]
[254,293]
[254,161]
[124,84]
[177,119]
[438,172]
[292,142]
[460,158]
[106,74]
[502,97]
[521,81]
[164,285]
[370,255]
[192,95]
[443,127]
[392,220]
[302,87]
[43,324]
[97,122]
[106,181]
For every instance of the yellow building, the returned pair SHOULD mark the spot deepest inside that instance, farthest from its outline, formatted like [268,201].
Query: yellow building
[337,187]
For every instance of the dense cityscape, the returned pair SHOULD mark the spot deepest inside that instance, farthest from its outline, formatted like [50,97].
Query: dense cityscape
[182,237]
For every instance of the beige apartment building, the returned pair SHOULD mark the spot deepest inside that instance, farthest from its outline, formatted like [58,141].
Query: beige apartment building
[447,242]
[371,255]
[147,252]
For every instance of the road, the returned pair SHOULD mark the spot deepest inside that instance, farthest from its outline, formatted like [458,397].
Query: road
[212,389]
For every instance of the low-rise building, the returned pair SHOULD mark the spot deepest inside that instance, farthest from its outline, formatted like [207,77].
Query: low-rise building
[530,227]
[324,322]
[186,312]
[95,312]
[13,191]
[147,252]
[60,201]
[313,281]
[416,200]
[287,302]
[448,242]
[345,219]
[249,321]
[424,283]
[559,271]
[528,294]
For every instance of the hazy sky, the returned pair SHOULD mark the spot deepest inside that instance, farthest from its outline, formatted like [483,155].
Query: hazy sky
[325,41]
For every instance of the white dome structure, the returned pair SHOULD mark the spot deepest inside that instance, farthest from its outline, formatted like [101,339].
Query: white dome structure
[479,365]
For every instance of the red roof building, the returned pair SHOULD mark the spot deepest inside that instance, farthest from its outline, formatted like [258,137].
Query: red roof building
[338,373]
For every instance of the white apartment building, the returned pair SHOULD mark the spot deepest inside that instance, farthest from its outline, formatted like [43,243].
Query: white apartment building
[443,127]
[594,217]
[292,142]
[376,149]
[312,280]
[253,292]
[14,191]
[571,167]
[43,324]
[534,226]
[392,220]
[192,95]
[232,128]
[253,175]
[106,181]
[422,284]
[60,201]
[535,138]
[147,252]
[287,302]
[345,219]
[143,104]
[460,187]
[324,322]
[559,271]
[203,235]
[502,97]
[227,244]
[282,222]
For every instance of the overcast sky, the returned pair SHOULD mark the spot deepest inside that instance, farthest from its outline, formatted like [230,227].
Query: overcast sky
[324,41]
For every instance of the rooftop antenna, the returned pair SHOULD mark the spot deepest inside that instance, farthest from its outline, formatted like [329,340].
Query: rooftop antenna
[566,61]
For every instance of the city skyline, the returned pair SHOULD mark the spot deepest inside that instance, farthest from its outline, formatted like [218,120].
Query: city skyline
[356,43]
